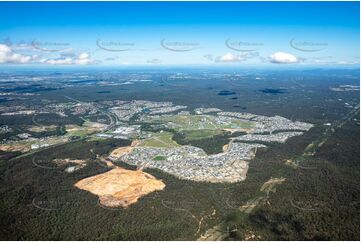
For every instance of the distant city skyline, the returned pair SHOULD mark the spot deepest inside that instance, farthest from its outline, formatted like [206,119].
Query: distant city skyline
[112,34]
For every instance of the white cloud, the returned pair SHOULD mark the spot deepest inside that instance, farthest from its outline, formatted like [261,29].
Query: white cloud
[81,59]
[231,58]
[7,56]
[283,58]
[83,56]
[84,59]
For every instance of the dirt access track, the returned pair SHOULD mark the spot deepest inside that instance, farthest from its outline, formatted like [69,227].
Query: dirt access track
[120,187]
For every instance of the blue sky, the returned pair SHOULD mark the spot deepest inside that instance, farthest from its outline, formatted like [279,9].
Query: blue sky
[179,33]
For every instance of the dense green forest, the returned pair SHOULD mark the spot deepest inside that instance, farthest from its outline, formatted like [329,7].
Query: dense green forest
[318,201]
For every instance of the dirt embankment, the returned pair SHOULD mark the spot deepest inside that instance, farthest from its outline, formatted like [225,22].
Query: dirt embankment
[268,186]
[120,187]
[61,162]
[119,152]
[15,147]
[42,128]
[75,164]
[225,147]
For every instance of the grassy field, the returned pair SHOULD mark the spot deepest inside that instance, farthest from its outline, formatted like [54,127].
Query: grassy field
[159,157]
[82,131]
[190,135]
[192,122]
[161,139]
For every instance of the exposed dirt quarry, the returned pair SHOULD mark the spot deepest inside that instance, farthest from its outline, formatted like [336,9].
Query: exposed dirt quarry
[120,187]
